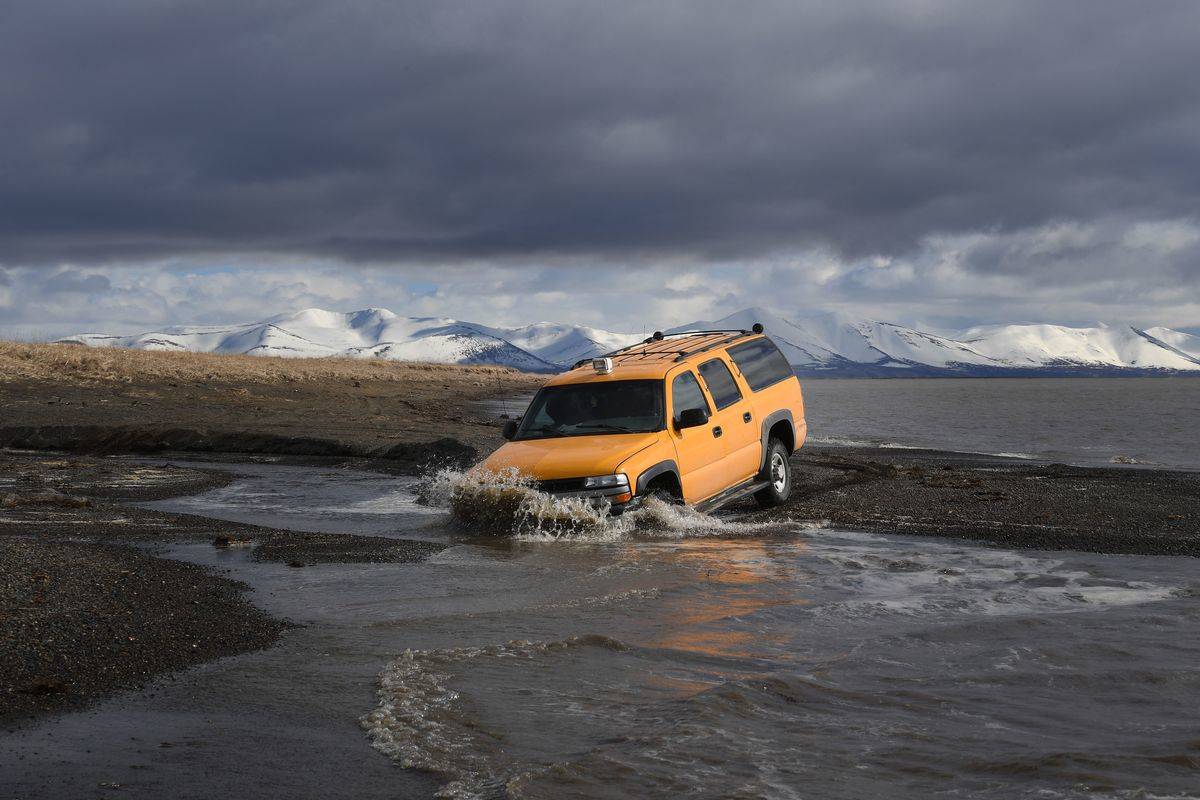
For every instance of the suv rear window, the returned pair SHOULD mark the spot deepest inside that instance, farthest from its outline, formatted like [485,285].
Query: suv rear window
[720,383]
[761,363]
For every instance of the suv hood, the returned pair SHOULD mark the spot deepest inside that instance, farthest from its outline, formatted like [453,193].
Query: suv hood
[569,456]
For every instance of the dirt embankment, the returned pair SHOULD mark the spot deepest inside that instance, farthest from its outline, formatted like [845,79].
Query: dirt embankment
[1009,502]
[68,397]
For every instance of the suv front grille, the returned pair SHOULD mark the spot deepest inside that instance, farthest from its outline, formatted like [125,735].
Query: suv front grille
[560,485]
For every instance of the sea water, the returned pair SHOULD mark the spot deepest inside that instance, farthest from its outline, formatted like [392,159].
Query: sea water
[1094,421]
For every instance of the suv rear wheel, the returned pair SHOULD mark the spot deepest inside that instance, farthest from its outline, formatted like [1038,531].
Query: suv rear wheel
[778,474]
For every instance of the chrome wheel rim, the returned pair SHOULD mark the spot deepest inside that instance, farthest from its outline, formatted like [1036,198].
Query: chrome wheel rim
[778,472]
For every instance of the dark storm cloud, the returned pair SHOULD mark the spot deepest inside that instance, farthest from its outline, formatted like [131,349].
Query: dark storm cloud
[388,131]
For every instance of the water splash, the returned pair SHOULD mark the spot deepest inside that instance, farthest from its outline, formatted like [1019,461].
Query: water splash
[506,503]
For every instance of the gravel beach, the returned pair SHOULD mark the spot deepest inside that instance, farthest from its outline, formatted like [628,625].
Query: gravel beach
[1004,501]
[81,620]
[88,608]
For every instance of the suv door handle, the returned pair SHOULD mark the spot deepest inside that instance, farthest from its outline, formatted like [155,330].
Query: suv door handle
[717,432]
[746,417]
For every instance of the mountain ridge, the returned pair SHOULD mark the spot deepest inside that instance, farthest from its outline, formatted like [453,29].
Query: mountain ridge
[817,343]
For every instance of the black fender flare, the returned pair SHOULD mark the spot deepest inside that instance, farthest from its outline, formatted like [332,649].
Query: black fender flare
[661,468]
[768,423]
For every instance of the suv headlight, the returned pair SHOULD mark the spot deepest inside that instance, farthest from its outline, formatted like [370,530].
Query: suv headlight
[606,481]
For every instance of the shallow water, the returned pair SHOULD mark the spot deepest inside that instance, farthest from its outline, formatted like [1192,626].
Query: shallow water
[1148,421]
[783,663]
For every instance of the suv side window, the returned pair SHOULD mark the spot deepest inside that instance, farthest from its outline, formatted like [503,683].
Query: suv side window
[761,363]
[720,383]
[685,393]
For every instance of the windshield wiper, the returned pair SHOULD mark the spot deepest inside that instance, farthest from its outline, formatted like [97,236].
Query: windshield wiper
[540,430]
[607,427]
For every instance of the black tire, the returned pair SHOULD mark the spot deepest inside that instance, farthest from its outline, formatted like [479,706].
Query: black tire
[779,472]
[666,495]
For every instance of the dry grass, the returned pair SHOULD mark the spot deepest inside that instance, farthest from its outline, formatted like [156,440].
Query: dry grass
[77,364]
[370,404]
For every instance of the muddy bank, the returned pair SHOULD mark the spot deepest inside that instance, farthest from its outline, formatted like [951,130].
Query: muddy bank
[403,457]
[86,607]
[1008,502]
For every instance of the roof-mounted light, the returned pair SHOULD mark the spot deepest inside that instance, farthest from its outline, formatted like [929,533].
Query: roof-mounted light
[603,366]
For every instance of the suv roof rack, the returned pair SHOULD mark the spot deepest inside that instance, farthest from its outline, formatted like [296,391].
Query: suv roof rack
[659,336]
[713,345]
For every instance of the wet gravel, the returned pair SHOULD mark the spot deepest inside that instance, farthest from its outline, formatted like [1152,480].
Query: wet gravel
[1009,502]
[24,475]
[334,548]
[78,620]
[87,608]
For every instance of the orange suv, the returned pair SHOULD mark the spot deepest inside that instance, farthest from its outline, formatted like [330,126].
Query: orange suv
[704,417]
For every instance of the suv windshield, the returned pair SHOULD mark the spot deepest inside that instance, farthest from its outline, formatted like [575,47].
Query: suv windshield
[588,409]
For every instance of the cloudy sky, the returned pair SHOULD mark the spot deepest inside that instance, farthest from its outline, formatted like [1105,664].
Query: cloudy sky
[628,165]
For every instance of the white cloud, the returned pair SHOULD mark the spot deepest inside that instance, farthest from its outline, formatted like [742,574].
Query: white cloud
[1140,271]
[1165,237]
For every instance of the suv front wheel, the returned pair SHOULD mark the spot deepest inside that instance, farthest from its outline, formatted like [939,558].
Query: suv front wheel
[778,474]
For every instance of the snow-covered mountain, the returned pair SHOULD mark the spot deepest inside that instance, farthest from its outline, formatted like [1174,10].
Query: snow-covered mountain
[1179,341]
[818,343]
[1056,345]
[378,333]
[562,344]
[829,343]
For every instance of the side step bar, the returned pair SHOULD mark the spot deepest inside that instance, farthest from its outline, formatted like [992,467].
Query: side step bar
[729,495]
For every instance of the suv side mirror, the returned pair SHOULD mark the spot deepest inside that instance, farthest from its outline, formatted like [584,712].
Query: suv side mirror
[510,429]
[691,418]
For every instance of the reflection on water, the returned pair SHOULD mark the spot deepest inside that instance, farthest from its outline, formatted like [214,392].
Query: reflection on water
[739,578]
[801,663]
